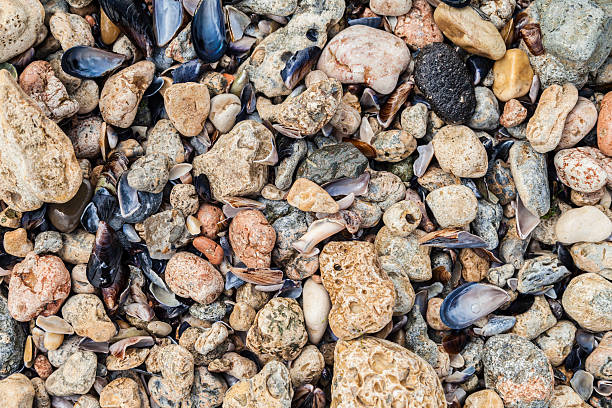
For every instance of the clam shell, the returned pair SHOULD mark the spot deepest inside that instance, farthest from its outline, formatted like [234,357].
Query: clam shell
[582,383]
[54,324]
[179,170]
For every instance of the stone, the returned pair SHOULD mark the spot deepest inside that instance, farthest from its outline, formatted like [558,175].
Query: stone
[487,222]
[123,91]
[22,25]
[309,196]
[540,273]
[37,161]
[514,114]
[534,321]
[16,243]
[164,233]
[164,138]
[119,393]
[499,275]
[208,389]
[460,152]
[464,27]
[71,30]
[38,286]
[414,119]
[579,122]
[393,145]
[86,314]
[307,112]
[190,276]
[60,355]
[545,127]
[275,7]
[149,173]
[557,341]
[177,370]
[66,217]
[87,96]
[530,176]
[10,218]
[445,81]
[475,267]
[486,115]
[518,371]
[512,75]
[252,238]
[333,162]
[12,340]
[307,367]
[232,166]
[499,12]
[210,217]
[38,80]
[598,362]
[17,391]
[75,376]
[483,399]
[361,293]
[85,137]
[452,206]
[565,397]
[402,218]
[581,170]
[187,105]
[593,257]
[435,178]
[390,7]
[433,314]
[271,388]
[604,125]
[361,54]
[375,372]
[87,401]
[584,224]
[278,329]
[417,27]
[588,300]
[77,247]
[316,305]
[285,169]
[184,198]
[403,256]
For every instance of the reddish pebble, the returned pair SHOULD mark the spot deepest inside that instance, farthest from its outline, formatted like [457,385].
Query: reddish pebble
[252,238]
[42,366]
[514,114]
[418,28]
[211,250]
[211,218]
[190,276]
[38,286]
[604,125]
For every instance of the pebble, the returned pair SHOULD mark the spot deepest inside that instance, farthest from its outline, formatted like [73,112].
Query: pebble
[483,399]
[38,80]
[487,222]
[452,206]
[512,75]
[414,119]
[390,7]
[403,257]
[514,114]
[75,376]
[499,275]
[581,170]
[164,232]
[85,137]
[565,397]
[584,224]
[460,152]
[87,96]
[66,216]
[71,30]
[486,115]
[307,367]
[56,177]
[316,305]
[271,387]
[593,257]
[208,389]
[38,285]
[17,391]
[210,217]
[177,370]
[252,238]
[22,27]
[579,122]
[10,218]
[417,27]
[16,243]
[164,138]
[211,250]
[361,293]
[393,145]
[133,358]
[445,81]
[402,218]
[404,377]
[187,105]
[464,27]
[433,314]
[190,276]
[86,314]
[588,300]
[598,362]
[505,357]
[604,125]
[557,341]
[184,198]
[12,340]
[224,109]
[362,54]
[540,273]
[76,247]
[534,321]
[285,169]
[278,330]
[231,165]
[122,392]
[530,177]
[309,196]
[545,127]
[333,162]
[475,267]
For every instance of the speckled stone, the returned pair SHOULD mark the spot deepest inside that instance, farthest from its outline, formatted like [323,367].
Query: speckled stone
[593,257]
[588,300]
[579,122]
[12,340]
[452,206]
[22,26]
[164,138]
[598,362]
[17,391]
[483,399]
[71,30]
[487,221]
[164,232]
[86,314]
[417,27]
[565,397]
[417,339]
[75,376]
[188,105]
[252,238]
[486,114]
[403,256]
[121,392]
[393,145]
[581,169]
[530,177]
[333,162]
[538,274]
[384,189]
[536,320]
[271,388]
[518,371]
[460,152]
[285,169]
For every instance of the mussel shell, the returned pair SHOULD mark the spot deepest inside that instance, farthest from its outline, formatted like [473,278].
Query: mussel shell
[149,203]
[156,85]
[202,186]
[374,22]
[455,342]
[133,18]
[456,3]
[582,383]
[299,65]
[167,19]
[105,259]
[469,302]
[208,31]
[90,219]
[479,68]
[190,71]
[89,62]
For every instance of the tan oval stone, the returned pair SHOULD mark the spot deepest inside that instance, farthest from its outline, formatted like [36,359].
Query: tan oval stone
[71,30]
[604,125]
[584,224]
[17,391]
[593,257]
[588,300]
[390,7]
[512,75]
[121,393]
[565,397]
[187,105]
[460,152]
[599,362]
[453,206]
[579,122]
[484,399]
[87,316]
[433,314]
[309,196]
[21,25]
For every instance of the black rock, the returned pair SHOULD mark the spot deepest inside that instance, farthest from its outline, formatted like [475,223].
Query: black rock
[446,82]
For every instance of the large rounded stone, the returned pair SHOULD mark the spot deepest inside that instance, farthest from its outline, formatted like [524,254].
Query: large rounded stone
[21,25]
[588,300]
[453,206]
[584,224]
[459,151]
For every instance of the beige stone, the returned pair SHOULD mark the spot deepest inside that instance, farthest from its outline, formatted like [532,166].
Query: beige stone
[307,367]
[22,26]
[584,224]
[417,27]
[475,267]
[371,372]
[270,388]
[71,30]
[599,362]
[579,122]
[593,257]
[512,75]
[484,399]
[188,105]
[453,206]
[390,7]
[557,341]
[588,300]
[534,321]
[17,391]
[460,152]
[309,196]
[86,314]
[120,393]
[16,242]
[565,397]
[433,314]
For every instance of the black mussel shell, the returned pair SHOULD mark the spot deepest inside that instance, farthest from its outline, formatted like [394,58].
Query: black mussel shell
[202,186]
[149,203]
[247,102]
[133,18]
[116,294]
[167,19]
[368,21]
[457,3]
[479,68]
[105,260]
[154,88]
[105,203]
[89,62]
[90,219]
[470,302]
[33,219]
[208,31]
[576,359]
[169,313]
[298,65]
[190,71]
[520,305]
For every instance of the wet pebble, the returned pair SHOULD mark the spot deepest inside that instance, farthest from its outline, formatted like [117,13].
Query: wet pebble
[512,75]
[529,172]
[332,162]
[486,114]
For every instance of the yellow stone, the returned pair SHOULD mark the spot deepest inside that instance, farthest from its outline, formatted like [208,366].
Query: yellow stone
[464,27]
[309,196]
[512,75]
[108,30]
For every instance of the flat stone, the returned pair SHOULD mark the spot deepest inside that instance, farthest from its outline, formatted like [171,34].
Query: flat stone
[460,152]
[333,162]
[75,376]
[417,27]
[540,273]
[584,224]
[593,257]
[188,105]
[588,300]
[530,177]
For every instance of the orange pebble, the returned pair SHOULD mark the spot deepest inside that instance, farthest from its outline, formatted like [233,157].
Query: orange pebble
[211,250]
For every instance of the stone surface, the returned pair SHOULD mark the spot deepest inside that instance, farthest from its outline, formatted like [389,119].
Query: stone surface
[333,162]
[588,300]
[164,232]
[307,367]
[278,329]
[598,362]
[414,119]
[362,54]
[231,165]
[530,177]
[37,161]
[514,114]
[85,137]
[403,256]
[487,222]
[584,224]
[446,82]
[190,276]
[545,127]
[149,173]
[22,25]
[580,169]
[452,206]
[309,196]
[579,122]
[375,372]
[483,399]
[16,243]
[86,314]
[70,30]
[518,371]
[12,340]
[164,138]
[66,217]
[184,198]
[122,392]
[557,341]
[593,257]
[512,75]
[417,27]
[17,391]
[252,238]
[538,274]
[361,293]
[223,111]
[604,125]
[486,115]
[464,27]
[75,376]
[565,397]
[534,321]
[177,375]
[187,105]
[390,7]
[460,152]
[123,91]
[77,247]
[271,387]
[393,145]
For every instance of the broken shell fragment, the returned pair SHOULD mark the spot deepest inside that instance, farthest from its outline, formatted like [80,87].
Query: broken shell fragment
[54,324]
[452,238]
[317,232]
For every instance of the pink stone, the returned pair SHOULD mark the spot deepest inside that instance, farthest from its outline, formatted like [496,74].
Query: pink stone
[418,27]
[190,276]
[252,238]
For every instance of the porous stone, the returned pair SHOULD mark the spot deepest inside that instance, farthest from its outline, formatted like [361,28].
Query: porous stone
[375,372]
[499,275]
[122,392]
[77,247]
[588,300]
[452,206]
[506,358]
[71,30]
[393,145]
[530,177]
[443,78]
[12,340]
[593,257]
[190,276]
[417,27]
[482,399]
[37,161]
[362,54]
[403,256]
[557,341]
[208,389]
[86,314]
[390,7]
[16,243]
[460,152]
[584,224]
[149,173]
[232,164]
[17,391]
[486,114]
[598,362]
[581,169]
[307,367]
[579,122]
[252,238]
[271,387]
[333,162]
[184,198]
[538,274]
[85,137]
[274,7]
[414,119]
[534,321]
[475,267]
[361,293]
[75,376]
[22,25]
[487,221]
[188,105]
[164,138]
[176,366]
[87,96]
[512,75]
